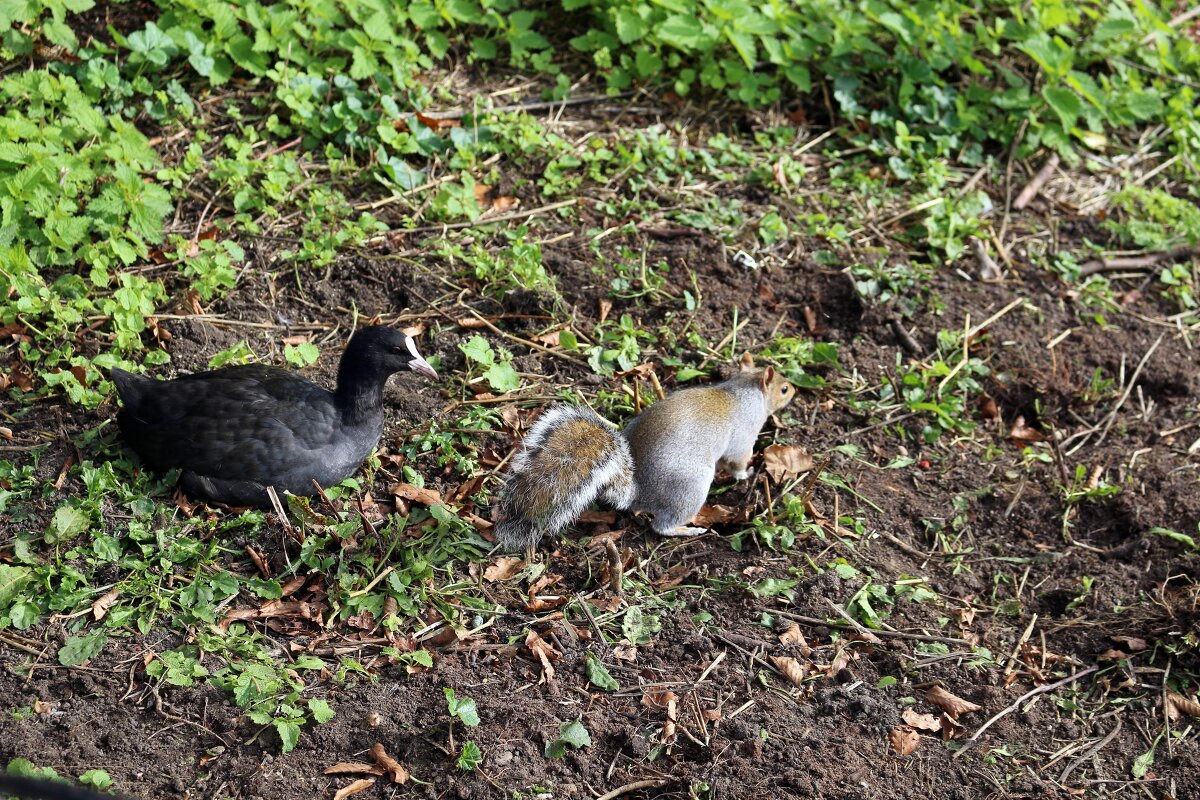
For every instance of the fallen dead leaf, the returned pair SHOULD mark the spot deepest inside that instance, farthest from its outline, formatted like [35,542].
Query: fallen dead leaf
[791,668]
[987,407]
[658,698]
[102,604]
[406,491]
[359,785]
[295,340]
[503,569]
[717,514]
[506,201]
[1132,643]
[904,740]
[353,768]
[783,462]
[629,653]
[544,653]
[952,704]
[1178,705]
[1023,433]
[395,771]
[550,339]
[436,123]
[605,308]
[922,722]
[793,635]
[42,707]
[950,727]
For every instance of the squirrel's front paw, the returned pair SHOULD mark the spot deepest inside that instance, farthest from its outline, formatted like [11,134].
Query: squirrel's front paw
[743,474]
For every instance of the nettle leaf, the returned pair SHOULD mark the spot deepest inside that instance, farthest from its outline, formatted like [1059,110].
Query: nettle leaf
[503,377]
[79,649]
[462,708]
[478,350]
[289,733]
[1065,103]
[570,735]
[470,757]
[630,26]
[684,32]
[320,710]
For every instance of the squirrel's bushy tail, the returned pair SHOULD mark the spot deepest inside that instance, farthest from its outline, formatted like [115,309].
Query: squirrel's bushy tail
[570,458]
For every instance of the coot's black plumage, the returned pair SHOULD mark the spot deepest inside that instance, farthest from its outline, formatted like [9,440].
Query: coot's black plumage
[237,430]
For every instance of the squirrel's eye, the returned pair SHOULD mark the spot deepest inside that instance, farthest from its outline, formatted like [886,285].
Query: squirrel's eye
[785,389]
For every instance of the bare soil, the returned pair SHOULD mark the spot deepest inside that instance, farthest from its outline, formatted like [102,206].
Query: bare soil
[1014,582]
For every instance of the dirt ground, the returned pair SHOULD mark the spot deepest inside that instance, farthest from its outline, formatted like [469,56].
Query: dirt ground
[1046,604]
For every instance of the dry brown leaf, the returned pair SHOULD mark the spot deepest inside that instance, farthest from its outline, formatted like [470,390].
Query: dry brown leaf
[668,731]
[783,462]
[435,123]
[605,308]
[1112,654]
[21,380]
[296,340]
[922,722]
[1132,643]
[791,668]
[503,569]
[793,635]
[353,768]
[1023,433]
[904,740]
[102,604]
[717,514]
[952,704]
[42,707]
[395,771]
[550,339]
[359,785]
[658,698]
[950,727]
[597,518]
[406,491]
[1178,705]
[625,653]
[544,653]
[506,201]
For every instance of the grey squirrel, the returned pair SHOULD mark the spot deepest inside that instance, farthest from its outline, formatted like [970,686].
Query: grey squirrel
[662,463]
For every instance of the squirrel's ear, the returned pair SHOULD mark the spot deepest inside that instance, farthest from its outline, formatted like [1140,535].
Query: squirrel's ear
[768,377]
[747,360]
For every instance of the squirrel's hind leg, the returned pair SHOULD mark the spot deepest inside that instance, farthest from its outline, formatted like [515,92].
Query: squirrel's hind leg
[676,504]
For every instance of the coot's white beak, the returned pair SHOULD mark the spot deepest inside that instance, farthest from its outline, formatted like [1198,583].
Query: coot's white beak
[420,365]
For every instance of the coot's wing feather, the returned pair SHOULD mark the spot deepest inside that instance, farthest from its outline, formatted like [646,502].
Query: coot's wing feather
[230,422]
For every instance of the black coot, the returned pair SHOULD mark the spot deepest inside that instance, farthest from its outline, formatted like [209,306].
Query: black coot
[237,430]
